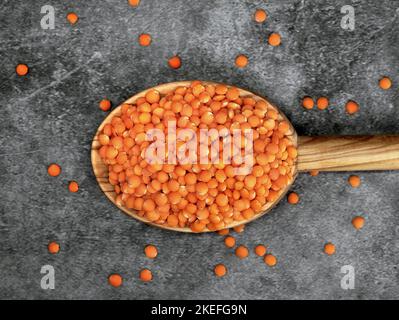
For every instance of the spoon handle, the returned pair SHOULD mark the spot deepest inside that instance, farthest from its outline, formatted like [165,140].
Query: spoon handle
[348,153]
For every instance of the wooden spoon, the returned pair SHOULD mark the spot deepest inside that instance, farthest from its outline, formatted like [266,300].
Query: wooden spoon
[345,153]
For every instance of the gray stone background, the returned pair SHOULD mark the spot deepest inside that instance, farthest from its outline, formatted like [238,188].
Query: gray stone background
[52,114]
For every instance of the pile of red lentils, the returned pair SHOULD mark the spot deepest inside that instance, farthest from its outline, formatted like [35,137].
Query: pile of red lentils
[199,196]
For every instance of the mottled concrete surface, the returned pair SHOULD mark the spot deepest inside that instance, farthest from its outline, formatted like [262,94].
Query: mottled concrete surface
[52,114]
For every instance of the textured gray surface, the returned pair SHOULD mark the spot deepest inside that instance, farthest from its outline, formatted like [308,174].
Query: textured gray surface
[51,116]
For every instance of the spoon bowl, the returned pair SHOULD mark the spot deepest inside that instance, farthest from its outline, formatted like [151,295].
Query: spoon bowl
[101,170]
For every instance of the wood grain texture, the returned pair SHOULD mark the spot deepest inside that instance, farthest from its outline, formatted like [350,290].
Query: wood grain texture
[101,170]
[348,153]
